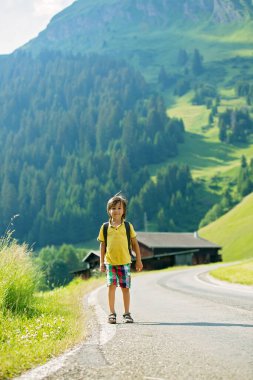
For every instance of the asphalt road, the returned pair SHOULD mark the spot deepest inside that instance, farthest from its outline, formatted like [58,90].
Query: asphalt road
[186,327]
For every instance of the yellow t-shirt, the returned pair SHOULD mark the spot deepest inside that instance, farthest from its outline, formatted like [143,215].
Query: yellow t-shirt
[117,252]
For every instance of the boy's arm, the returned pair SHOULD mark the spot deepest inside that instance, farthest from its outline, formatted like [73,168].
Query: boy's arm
[102,256]
[136,249]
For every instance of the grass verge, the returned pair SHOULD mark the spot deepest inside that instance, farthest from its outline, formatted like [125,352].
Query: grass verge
[57,323]
[238,274]
[35,326]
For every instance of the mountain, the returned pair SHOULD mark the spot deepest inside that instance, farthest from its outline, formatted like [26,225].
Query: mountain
[233,231]
[131,96]
[149,33]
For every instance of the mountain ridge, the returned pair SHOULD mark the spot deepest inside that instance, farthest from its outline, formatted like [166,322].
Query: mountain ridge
[103,26]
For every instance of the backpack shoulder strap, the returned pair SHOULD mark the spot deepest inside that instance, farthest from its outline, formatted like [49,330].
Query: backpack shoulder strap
[127,226]
[105,229]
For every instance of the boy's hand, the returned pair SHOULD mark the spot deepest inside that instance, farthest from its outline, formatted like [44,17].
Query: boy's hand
[138,265]
[102,268]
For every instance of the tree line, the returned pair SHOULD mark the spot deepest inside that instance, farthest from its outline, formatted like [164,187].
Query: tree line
[235,125]
[57,264]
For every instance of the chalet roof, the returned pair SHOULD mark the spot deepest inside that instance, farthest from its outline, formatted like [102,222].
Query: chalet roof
[95,253]
[174,240]
[85,267]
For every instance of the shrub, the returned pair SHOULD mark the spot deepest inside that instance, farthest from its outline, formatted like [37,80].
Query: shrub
[18,276]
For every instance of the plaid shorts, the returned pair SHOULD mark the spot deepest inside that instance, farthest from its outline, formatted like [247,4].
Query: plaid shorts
[118,275]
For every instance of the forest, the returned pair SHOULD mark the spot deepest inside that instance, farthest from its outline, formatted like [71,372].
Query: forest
[75,130]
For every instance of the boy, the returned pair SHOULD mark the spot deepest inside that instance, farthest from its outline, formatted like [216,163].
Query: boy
[115,257]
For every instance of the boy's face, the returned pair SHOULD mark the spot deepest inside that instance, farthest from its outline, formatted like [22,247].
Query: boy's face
[117,211]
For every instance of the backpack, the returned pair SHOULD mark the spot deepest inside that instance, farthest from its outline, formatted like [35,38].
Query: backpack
[127,227]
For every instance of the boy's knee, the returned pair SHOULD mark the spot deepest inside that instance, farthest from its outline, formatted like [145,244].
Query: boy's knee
[125,290]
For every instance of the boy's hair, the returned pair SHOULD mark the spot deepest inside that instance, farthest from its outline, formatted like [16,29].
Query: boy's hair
[114,200]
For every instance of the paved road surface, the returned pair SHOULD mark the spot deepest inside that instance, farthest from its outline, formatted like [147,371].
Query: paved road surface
[186,328]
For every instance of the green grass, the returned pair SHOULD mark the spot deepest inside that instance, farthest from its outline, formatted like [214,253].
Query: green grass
[58,323]
[237,274]
[233,231]
[35,327]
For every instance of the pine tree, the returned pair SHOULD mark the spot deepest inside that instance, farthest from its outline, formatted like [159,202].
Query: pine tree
[197,63]
[182,57]
[163,78]
[9,204]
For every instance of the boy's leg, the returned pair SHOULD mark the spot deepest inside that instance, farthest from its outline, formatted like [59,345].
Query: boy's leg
[126,299]
[111,297]
[111,283]
[124,276]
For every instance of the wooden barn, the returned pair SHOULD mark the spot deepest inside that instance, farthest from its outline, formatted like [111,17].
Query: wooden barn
[93,259]
[90,262]
[83,272]
[163,249]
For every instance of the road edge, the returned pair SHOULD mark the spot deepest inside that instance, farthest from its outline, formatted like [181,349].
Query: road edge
[100,333]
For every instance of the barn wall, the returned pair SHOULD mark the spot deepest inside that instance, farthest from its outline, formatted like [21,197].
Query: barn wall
[184,259]
[145,251]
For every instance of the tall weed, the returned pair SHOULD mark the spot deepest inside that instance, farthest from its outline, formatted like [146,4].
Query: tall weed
[18,276]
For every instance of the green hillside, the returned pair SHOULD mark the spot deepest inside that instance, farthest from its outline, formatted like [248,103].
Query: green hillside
[233,231]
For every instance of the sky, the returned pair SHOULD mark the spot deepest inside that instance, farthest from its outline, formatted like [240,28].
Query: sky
[22,20]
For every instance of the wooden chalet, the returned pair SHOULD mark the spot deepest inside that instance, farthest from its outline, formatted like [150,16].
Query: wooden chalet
[93,259]
[163,249]
[89,263]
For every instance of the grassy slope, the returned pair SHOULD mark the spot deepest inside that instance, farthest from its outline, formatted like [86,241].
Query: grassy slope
[233,231]
[238,274]
[203,151]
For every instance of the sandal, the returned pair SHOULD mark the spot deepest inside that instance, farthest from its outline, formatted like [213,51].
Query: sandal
[127,318]
[112,318]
